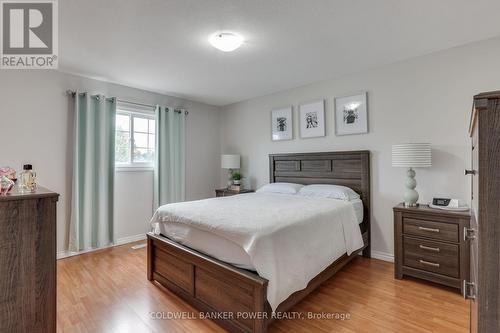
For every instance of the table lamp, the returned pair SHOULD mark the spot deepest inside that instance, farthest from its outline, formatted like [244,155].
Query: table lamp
[411,155]
[230,162]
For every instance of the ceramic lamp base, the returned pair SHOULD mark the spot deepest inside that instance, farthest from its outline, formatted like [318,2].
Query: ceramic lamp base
[411,195]
[230,178]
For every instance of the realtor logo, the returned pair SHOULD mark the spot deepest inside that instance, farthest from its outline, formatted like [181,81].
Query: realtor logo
[28,34]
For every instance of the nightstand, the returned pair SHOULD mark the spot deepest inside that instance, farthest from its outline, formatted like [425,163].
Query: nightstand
[430,244]
[224,192]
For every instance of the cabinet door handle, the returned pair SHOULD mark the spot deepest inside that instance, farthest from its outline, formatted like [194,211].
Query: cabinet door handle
[470,172]
[428,263]
[434,249]
[469,291]
[428,229]
[469,234]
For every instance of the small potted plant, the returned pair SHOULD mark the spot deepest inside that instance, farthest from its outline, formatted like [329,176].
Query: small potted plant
[236,176]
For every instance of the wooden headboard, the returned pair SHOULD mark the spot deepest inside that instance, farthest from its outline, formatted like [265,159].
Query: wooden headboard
[347,168]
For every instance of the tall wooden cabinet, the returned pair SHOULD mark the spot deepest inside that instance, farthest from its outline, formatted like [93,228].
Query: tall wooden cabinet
[484,286]
[28,262]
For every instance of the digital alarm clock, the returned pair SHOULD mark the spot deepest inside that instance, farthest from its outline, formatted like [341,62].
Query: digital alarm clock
[441,201]
[448,204]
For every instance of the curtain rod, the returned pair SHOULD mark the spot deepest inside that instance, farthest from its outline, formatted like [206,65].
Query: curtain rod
[73,93]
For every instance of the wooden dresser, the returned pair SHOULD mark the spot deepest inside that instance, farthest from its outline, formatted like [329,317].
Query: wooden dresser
[28,262]
[429,244]
[484,286]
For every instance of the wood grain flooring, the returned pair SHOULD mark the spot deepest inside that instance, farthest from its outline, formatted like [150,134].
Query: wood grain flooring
[107,291]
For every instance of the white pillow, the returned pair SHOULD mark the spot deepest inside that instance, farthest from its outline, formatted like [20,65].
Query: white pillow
[286,188]
[329,191]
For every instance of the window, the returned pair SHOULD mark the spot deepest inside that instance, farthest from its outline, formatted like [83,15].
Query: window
[135,139]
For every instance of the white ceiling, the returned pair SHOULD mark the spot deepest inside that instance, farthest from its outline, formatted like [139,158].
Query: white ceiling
[161,45]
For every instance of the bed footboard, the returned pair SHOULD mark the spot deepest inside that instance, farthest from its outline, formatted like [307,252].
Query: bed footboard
[211,286]
[235,298]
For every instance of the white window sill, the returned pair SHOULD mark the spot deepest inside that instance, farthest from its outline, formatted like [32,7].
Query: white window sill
[133,168]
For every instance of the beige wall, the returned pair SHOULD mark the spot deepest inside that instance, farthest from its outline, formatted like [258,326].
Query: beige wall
[35,127]
[426,99]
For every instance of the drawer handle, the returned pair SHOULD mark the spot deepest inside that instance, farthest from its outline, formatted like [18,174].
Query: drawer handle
[433,264]
[428,229]
[434,249]
[470,172]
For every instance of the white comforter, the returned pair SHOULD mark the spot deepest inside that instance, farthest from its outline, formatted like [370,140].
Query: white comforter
[289,238]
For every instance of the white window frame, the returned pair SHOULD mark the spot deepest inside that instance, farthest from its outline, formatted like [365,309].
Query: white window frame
[134,166]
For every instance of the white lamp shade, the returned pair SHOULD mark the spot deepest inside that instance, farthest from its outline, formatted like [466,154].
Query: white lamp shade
[230,161]
[412,155]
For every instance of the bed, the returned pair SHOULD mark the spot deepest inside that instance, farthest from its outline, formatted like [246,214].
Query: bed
[226,250]
[230,293]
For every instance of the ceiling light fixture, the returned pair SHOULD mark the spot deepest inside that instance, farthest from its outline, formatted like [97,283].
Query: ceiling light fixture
[226,41]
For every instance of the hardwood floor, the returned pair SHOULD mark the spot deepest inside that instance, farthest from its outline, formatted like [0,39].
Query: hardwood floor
[107,291]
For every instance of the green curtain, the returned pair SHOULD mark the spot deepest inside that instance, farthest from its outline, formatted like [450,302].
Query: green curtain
[92,201]
[169,177]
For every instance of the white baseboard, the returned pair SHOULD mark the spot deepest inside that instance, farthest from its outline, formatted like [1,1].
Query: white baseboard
[119,241]
[382,256]
[130,239]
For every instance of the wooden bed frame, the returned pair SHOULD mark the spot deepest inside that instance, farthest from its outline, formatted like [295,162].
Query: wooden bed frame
[226,293]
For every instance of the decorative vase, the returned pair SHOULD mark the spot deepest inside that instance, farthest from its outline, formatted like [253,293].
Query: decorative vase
[5,185]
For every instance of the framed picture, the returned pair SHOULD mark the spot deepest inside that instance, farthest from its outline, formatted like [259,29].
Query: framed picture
[312,119]
[351,114]
[282,124]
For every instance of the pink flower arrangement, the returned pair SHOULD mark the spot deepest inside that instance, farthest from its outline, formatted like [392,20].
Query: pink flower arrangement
[8,172]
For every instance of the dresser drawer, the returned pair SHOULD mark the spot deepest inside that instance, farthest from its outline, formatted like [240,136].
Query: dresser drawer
[431,256]
[431,229]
